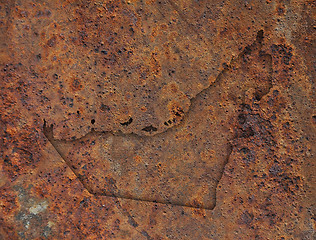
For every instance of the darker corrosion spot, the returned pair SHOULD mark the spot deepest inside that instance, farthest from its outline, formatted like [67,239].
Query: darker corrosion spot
[130,120]
[150,129]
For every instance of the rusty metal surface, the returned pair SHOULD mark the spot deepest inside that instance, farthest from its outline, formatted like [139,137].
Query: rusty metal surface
[157,119]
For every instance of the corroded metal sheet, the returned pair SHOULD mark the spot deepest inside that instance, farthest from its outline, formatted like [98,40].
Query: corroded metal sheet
[157,119]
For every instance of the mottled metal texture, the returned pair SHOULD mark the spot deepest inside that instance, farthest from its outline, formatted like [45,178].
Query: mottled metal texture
[157,119]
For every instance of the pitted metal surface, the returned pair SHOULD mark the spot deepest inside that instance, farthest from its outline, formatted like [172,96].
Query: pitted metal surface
[157,119]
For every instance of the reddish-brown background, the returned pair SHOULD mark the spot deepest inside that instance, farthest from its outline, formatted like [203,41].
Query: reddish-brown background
[265,192]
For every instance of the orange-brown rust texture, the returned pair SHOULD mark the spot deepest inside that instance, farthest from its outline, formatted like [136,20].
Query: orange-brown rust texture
[163,119]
